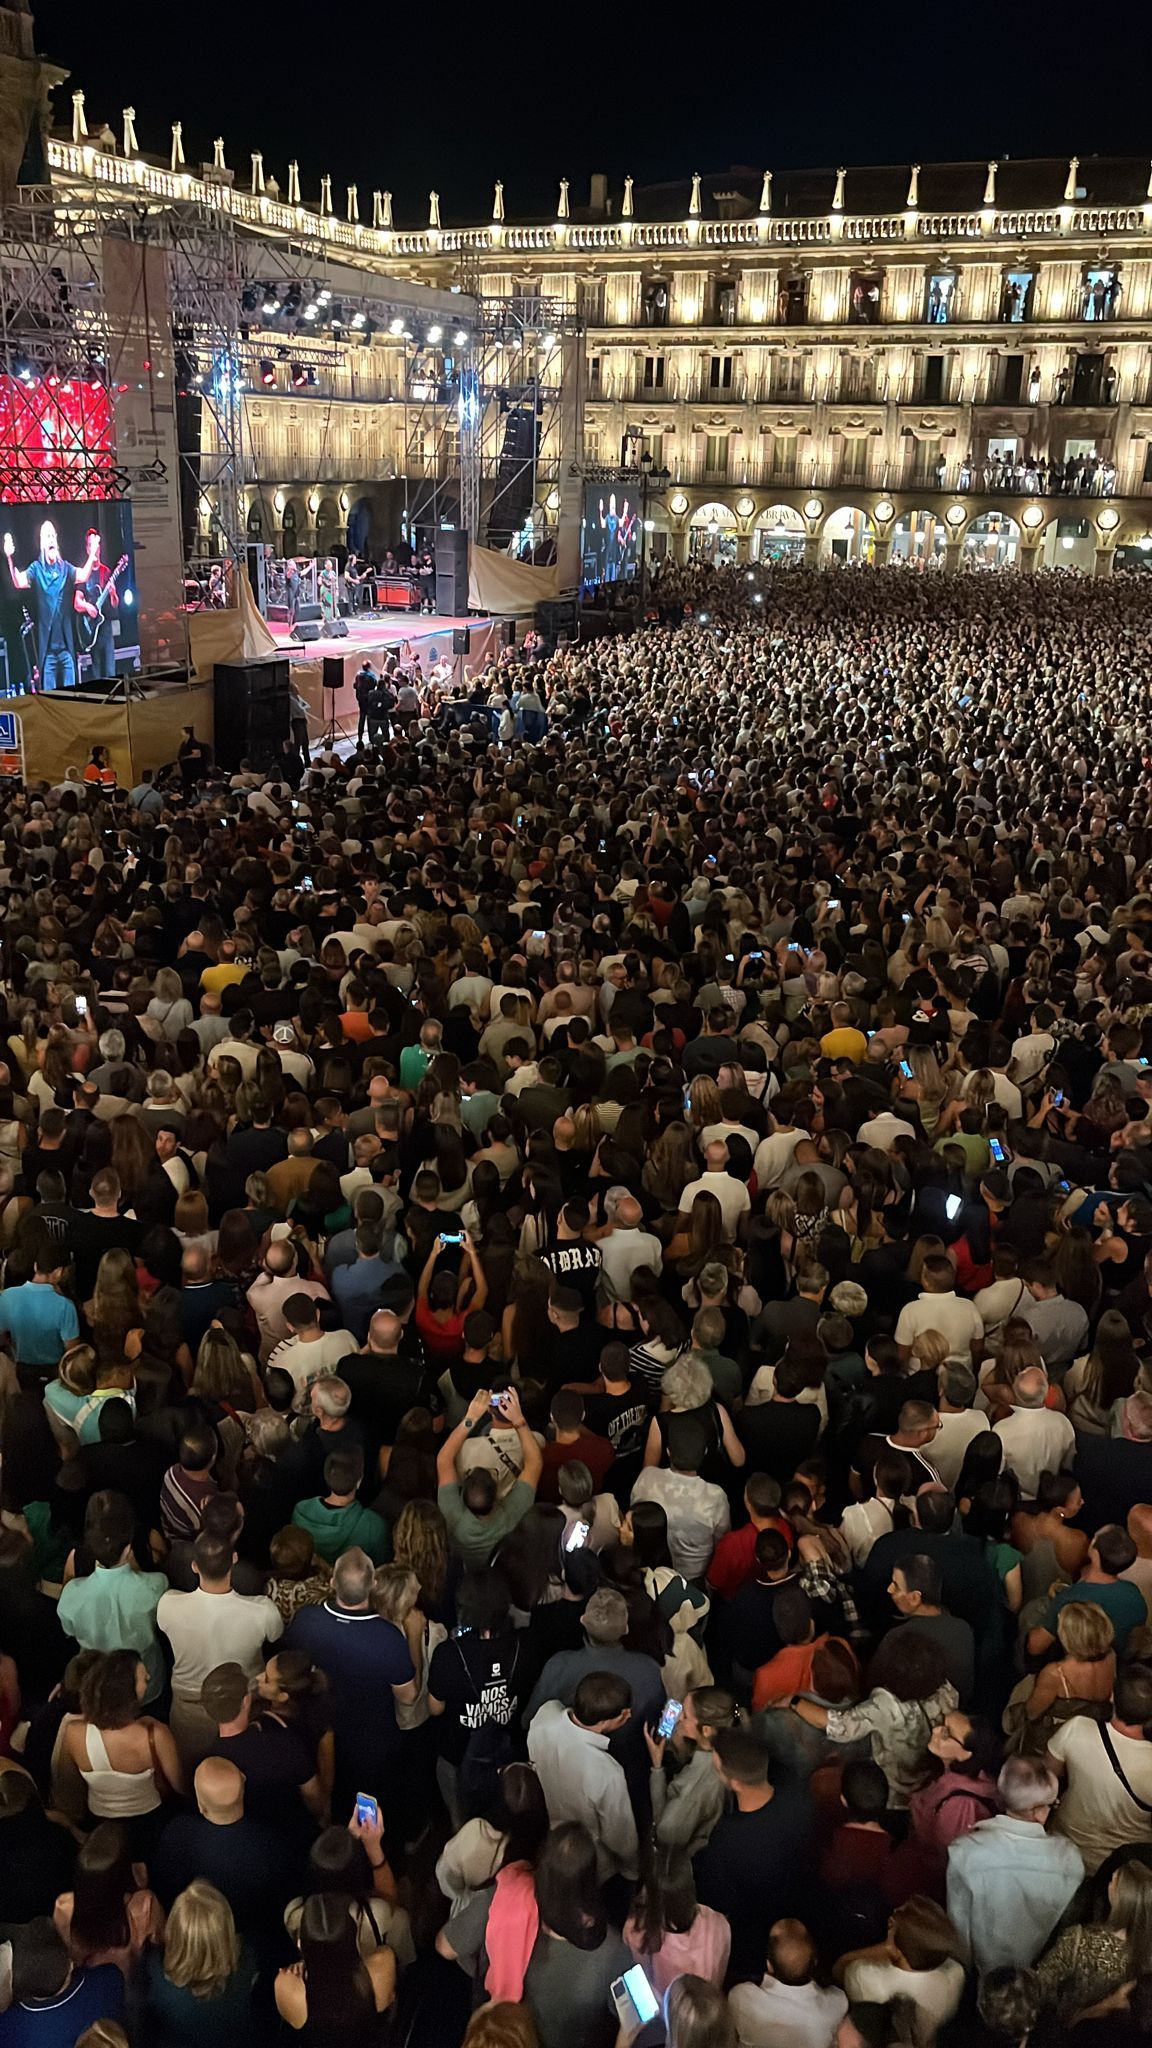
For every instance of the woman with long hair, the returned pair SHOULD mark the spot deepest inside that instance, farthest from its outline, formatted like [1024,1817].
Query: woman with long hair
[920,1964]
[669,1932]
[1103,1377]
[115,1307]
[565,1976]
[225,1378]
[511,1827]
[110,1915]
[349,1862]
[671,1163]
[420,1542]
[698,1244]
[133,1156]
[908,1696]
[190,1221]
[966,1757]
[198,1986]
[330,1996]
[169,1010]
[1087,1964]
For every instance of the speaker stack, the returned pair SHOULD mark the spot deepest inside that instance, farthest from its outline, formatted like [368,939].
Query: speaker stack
[251,711]
[461,640]
[452,575]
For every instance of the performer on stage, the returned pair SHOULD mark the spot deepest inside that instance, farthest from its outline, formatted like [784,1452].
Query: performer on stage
[291,592]
[51,585]
[103,648]
[328,591]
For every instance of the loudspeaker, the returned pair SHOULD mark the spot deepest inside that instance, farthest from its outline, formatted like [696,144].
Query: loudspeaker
[507,632]
[251,703]
[256,563]
[310,630]
[333,672]
[461,640]
[309,611]
[338,630]
[451,574]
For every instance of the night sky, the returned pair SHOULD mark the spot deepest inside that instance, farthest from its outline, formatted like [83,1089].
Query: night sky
[407,98]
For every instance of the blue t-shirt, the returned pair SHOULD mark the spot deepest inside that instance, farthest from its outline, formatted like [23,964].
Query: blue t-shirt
[39,1321]
[1123,1603]
[59,2022]
[364,1657]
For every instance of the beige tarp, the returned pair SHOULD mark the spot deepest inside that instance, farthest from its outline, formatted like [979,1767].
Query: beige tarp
[60,731]
[237,635]
[498,584]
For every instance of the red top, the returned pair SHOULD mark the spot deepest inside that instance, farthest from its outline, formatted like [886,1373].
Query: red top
[734,1559]
[594,1451]
[440,1340]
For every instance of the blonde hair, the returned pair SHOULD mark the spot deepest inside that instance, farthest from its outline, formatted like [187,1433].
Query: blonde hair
[1085,1630]
[502,2025]
[395,1591]
[201,1947]
[930,1349]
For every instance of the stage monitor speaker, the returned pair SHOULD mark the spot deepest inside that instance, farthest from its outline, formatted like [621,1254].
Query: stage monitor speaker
[309,611]
[256,563]
[507,632]
[307,629]
[338,630]
[251,707]
[461,640]
[333,671]
[451,574]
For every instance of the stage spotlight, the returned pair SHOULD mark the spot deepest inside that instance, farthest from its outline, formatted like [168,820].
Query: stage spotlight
[359,320]
[250,298]
[460,338]
[549,341]
[271,299]
[299,376]
[324,296]
[293,298]
[396,326]
[434,335]
[311,310]
[267,371]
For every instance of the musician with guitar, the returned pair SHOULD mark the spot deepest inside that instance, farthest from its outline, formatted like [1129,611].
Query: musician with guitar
[52,585]
[96,600]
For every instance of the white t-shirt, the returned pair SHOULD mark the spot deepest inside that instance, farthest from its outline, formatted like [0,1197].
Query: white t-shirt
[774,2015]
[958,1321]
[774,1156]
[882,1131]
[732,1196]
[207,1629]
[1036,1440]
[1096,1812]
[933,1994]
[312,1361]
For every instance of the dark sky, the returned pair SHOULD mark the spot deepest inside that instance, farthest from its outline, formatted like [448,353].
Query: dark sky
[452,96]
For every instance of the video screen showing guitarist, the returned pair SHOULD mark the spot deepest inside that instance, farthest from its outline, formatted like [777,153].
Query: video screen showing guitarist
[97,602]
[51,584]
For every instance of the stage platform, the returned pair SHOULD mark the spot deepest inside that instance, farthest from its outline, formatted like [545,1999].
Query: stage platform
[371,640]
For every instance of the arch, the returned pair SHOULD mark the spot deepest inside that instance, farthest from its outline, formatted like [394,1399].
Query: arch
[992,541]
[848,535]
[359,525]
[919,535]
[714,514]
[781,519]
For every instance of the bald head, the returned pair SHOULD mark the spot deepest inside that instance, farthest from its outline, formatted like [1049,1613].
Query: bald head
[299,1142]
[280,1258]
[715,1156]
[384,1331]
[1030,1387]
[629,1214]
[195,1262]
[219,1791]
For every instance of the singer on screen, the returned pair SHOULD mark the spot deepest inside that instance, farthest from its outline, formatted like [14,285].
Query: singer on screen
[51,584]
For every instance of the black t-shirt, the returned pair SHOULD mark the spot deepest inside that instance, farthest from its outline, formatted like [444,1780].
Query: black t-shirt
[576,1265]
[90,1237]
[252,1864]
[755,1868]
[746,1624]
[37,1855]
[383,1391]
[571,1355]
[483,1681]
[622,1418]
[275,1764]
[778,1435]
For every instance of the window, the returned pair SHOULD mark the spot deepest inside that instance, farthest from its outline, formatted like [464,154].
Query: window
[864,297]
[1101,295]
[1147,476]
[933,386]
[794,301]
[720,374]
[591,302]
[1088,380]
[788,377]
[1011,379]
[941,286]
[716,455]
[654,373]
[1016,294]
[854,459]
[857,378]
[656,301]
[653,445]
[726,304]
[595,370]
[591,444]
[782,467]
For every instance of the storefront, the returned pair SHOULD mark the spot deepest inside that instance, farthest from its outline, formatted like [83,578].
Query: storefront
[1069,544]
[849,536]
[992,542]
[713,534]
[919,537]
[778,535]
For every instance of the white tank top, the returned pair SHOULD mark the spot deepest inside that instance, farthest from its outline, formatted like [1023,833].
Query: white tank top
[112,1794]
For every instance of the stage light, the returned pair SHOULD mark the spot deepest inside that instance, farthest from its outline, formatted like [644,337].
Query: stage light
[549,341]
[359,319]
[250,298]
[293,298]
[435,334]
[128,597]
[271,299]
[460,338]
[750,578]
[1145,542]
[299,376]
[396,326]
[267,371]
[756,597]
[311,310]
[324,296]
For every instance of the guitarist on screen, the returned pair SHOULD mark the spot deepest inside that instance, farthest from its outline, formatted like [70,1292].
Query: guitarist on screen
[52,584]
[99,584]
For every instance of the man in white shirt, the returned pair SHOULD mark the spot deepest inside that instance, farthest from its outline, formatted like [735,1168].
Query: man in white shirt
[1035,1049]
[732,1195]
[580,1780]
[939,1307]
[1008,1879]
[882,1131]
[309,1353]
[773,1154]
[275,1284]
[1036,1439]
[959,1421]
[698,1512]
[788,2009]
[626,1245]
[214,1625]
[1107,1796]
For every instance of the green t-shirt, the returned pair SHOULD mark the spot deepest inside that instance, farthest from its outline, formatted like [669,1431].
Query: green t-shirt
[335,1530]
[975,1149]
[475,1537]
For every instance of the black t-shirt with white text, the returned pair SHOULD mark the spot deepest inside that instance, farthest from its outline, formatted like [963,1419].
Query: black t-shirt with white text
[483,1681]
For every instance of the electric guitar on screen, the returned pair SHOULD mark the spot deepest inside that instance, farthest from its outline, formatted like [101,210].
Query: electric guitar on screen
[89,624]
[28,636]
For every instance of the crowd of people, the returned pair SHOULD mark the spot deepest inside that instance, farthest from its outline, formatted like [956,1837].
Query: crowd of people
[575,1376]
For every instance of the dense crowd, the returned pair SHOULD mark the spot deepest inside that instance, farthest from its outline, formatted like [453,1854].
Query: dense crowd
[576,1397]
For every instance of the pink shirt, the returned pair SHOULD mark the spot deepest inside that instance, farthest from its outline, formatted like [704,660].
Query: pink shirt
[701,1952]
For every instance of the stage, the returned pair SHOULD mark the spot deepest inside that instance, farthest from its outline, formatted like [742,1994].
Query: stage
[371,640]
